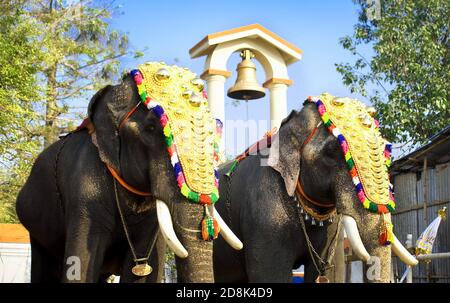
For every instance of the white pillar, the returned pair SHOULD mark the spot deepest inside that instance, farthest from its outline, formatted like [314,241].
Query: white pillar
[215,88]
[278,103]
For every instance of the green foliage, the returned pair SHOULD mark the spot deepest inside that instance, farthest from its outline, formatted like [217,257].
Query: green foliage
[19,55]
[53,55]
[408,77]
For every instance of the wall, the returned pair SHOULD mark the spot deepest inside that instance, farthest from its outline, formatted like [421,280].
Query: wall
[409,194]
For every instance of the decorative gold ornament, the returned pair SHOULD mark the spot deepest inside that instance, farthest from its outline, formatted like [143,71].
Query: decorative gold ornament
[195,100]
[142,270]
[187,94]
[372,111]
[190,121]
[339,101]
[443,213]
[197,82]
[365,144]
[162,74]
[367,122]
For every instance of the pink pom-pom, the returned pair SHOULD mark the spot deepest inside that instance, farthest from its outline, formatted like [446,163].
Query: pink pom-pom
[361,196]
[138,78]
[377,123]
[391,196]
[180,179]
[321,109]
[344,146]
[163,120]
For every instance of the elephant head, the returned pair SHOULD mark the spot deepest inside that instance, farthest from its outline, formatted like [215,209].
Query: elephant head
[334,149]
[154,130]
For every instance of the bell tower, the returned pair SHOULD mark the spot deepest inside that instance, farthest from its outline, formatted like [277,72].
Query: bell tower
[274,53]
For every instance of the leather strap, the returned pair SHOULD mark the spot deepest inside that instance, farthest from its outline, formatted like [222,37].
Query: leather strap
[87,124]
[301,192]
[128,115]
[125,184]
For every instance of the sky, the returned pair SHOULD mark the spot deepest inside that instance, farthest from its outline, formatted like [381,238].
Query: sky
[170,28]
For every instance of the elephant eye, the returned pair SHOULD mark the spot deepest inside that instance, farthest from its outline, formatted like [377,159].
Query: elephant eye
[331,148]
[150,127]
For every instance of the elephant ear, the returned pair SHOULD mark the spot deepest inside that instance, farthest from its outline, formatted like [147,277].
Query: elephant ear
[106,109]
[284,155]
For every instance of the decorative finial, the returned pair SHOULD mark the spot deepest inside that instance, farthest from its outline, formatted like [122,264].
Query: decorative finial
[443,213]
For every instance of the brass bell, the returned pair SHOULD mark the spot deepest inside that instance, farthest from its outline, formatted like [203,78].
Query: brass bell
[246,86]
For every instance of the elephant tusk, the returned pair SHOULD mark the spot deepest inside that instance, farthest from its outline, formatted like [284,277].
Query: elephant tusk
[355,239]
[166,226]
[226,232]
[403,253]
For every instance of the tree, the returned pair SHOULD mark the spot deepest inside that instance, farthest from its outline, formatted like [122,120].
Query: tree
[68,49]
[408,77]
[19,57]
[82,54]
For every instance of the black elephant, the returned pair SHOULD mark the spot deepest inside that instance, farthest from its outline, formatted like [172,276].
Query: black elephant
[103,197]
[305,181]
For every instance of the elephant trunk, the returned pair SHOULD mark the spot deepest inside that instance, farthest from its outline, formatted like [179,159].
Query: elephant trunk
[198,266]
[377,269]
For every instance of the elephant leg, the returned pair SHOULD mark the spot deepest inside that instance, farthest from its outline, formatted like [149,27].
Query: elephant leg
[44,267]
[311,272]
[84,255]
[268,264]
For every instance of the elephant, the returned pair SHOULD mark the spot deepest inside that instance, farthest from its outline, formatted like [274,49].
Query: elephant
[259,200]
[101,200]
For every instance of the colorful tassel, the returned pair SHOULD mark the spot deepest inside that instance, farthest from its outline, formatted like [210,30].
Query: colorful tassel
[210,227]
[386,232]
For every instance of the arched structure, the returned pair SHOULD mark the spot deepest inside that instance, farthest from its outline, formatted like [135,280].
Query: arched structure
[273,52]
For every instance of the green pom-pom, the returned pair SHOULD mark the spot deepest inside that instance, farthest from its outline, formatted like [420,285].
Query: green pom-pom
[143,96]
[193,196]
[214,197]
[350,163]
[169,140]
[391,209]
[373,207]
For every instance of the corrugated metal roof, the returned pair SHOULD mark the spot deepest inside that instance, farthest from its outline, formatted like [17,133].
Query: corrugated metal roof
[437,151]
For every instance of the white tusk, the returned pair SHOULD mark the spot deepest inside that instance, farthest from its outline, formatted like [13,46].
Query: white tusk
[355,239]
[226,232]
[166,226]
[403,253]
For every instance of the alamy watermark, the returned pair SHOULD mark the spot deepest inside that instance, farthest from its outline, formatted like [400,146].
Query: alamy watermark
[373,272]
[73,272]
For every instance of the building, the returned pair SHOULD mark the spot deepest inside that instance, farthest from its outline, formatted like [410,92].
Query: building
[422,186]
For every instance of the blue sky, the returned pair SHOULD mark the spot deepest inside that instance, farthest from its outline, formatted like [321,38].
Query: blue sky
[170,28]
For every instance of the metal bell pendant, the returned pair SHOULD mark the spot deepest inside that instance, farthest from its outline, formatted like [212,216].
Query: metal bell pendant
[301,210]
[313,222]
[320,223]
[246,86]
[306,217]
[330,220]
